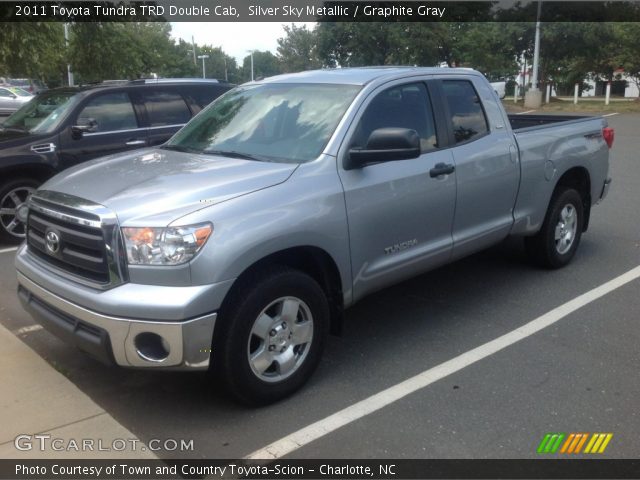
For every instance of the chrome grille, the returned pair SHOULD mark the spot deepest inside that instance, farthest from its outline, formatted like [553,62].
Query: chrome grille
[80,250]
[76,238]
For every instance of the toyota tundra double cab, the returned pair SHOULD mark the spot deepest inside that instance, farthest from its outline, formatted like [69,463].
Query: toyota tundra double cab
[237,245]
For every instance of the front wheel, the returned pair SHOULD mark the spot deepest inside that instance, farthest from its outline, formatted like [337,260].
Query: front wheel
[557,241]
[13,208]
[272,335]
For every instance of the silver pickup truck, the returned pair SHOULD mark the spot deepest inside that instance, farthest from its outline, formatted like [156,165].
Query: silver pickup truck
[238,245]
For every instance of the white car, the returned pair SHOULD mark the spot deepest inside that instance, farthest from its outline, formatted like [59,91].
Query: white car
[12,98]
[500,88]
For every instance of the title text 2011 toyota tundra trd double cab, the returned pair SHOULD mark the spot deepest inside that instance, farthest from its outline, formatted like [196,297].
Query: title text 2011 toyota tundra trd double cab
[238,244]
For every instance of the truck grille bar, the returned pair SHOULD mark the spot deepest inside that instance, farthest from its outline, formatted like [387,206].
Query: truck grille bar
[76,238]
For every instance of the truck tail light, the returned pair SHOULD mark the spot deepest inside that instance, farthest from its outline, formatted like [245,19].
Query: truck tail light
[608,135]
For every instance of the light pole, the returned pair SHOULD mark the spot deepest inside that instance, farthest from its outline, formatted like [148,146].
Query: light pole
[251,52]
[533,98]
[203,57]
[66,43]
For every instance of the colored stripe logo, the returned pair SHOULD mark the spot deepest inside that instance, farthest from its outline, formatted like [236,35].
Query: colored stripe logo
[574,443]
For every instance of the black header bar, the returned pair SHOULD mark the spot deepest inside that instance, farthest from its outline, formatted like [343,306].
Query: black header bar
[318,11]
[319,469]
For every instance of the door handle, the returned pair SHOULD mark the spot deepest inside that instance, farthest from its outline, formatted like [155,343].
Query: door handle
[131,143]
[441,169]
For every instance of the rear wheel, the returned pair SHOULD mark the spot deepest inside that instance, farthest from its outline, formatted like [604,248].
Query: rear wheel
[272,335]
[557,241]
[13,208]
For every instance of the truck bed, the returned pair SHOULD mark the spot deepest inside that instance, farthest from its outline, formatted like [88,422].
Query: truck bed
[522,122]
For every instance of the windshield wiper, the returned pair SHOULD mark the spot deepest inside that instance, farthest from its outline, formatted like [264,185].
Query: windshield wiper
[234,154]
[179,148]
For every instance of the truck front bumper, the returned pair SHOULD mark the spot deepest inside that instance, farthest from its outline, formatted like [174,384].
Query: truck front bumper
[127,342]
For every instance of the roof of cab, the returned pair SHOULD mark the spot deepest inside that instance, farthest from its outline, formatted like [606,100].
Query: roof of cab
[359,75]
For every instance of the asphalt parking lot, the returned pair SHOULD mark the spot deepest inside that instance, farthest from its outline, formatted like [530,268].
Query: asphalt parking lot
[578,375]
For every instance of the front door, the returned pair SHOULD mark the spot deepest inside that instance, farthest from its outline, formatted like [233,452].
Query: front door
[114,128]
[400,214]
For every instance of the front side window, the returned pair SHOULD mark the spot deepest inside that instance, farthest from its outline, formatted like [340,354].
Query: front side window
[403,106]
[109,113]
[166,108]
[271,122]
[5,93]
[466,115]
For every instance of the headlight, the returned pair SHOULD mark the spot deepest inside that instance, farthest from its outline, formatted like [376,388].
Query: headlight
[164,246]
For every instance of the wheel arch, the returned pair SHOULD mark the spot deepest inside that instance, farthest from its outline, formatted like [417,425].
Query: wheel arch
[37,171]
[579,179]
[315,262]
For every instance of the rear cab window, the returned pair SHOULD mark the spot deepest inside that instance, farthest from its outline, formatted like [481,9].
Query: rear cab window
[466,116]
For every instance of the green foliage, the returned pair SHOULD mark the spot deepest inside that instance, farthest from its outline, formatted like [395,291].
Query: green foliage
[626,53]
[219,65]
[570,52]
[265,64]
[34,50]
[297,50]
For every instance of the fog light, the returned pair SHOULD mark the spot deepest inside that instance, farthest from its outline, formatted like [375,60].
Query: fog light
[151,347]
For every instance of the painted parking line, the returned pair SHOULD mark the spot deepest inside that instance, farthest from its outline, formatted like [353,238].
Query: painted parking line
[611,114]
[323,427]
[29,329]
[522,113]
[6,250]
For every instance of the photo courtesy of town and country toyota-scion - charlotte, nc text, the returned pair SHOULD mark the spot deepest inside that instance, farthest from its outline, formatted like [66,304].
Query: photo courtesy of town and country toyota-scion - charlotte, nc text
[187,470]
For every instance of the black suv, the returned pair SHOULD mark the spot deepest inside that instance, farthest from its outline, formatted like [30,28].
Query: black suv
[63,127]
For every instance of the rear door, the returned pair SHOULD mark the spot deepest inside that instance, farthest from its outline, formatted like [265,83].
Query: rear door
[487,170]
[400,214]
[116,128]
[166,112]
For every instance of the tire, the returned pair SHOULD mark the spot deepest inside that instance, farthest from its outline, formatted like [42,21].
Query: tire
[557,241]
[255,355]
[13,194]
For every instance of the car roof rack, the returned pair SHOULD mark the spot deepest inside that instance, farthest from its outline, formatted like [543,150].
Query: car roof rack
[174,80]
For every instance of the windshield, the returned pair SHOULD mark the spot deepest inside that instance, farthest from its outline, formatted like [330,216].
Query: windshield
[19,92]
[43,113]
[273,122]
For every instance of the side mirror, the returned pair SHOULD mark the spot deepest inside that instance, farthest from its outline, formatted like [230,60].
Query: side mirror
[385,145]
[77,131]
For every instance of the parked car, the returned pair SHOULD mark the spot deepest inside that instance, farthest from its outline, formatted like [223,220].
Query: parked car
[500,89]
[12,98]
[31,85]
[66,126]
[238,244]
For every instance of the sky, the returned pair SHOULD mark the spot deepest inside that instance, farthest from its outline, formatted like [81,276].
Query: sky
[235,38]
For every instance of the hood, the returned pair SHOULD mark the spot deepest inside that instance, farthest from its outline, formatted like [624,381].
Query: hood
[154,187]
[15,137]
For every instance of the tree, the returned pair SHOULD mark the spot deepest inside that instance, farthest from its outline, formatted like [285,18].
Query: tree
[351,44]
[33,49]
[297,50]
[219,65]
[626,55]
[265,64]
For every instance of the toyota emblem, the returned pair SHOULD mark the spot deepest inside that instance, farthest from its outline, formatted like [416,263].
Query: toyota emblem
[52,242]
